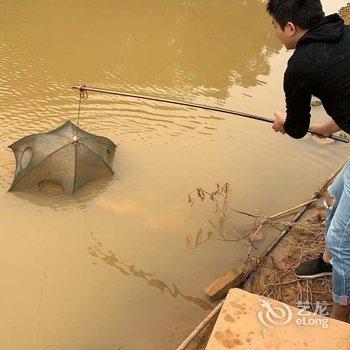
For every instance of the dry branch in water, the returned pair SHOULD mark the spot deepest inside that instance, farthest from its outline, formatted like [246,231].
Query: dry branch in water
[220,198]
[218,231]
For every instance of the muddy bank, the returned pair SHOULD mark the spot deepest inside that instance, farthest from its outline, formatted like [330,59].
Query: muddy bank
[275,277]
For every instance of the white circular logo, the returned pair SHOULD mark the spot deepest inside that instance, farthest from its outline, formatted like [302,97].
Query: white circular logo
[274,315]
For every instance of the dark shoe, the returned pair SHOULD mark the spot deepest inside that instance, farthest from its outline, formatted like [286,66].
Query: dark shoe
[314,268]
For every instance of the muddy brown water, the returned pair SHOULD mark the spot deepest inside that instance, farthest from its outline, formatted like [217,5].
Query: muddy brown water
[114,266]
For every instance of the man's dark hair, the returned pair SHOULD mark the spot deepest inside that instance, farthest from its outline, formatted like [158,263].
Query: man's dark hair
[303,13]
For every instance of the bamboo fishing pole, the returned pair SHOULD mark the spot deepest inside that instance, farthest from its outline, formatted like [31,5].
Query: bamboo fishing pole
[194,105]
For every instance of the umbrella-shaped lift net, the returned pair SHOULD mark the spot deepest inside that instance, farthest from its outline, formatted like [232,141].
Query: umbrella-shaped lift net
[67,155]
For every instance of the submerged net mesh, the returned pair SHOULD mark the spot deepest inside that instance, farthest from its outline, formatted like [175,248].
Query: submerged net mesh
[67,155]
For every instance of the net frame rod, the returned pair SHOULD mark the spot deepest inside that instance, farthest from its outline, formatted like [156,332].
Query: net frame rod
[193,105]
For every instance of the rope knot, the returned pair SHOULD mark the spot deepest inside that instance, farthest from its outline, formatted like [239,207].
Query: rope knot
[83,92]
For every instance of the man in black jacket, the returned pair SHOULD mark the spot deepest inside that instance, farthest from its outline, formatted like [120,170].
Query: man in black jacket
[320,66]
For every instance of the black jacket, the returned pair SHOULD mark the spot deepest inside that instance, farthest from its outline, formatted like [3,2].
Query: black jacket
[320,66]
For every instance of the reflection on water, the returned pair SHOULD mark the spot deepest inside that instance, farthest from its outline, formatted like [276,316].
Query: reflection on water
[50,196]
[97,250]
[201,49]
[214,52]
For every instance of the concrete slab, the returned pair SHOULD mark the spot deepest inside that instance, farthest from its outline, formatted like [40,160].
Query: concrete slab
[220,287]
[250,321]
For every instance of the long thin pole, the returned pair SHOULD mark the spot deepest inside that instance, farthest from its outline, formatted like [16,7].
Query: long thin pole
[200,327]
[194,105]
